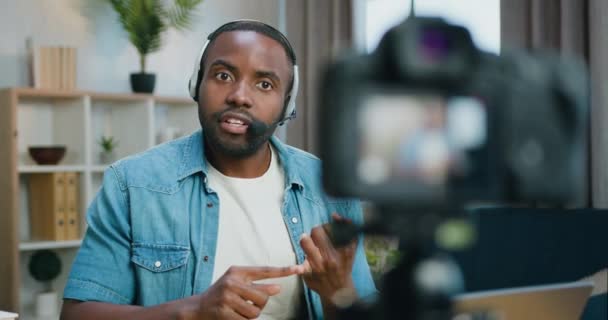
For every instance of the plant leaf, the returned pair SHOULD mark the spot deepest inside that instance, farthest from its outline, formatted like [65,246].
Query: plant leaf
[145,21]
[181,14]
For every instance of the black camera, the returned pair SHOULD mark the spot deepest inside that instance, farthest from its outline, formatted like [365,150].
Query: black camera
[427,125]
[428,121]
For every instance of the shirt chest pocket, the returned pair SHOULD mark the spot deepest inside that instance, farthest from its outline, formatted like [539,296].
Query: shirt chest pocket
[161,272]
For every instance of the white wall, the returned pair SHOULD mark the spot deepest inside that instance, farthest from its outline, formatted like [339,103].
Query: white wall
[105,57]
[481,17]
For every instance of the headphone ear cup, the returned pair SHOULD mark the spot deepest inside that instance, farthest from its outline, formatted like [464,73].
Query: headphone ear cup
[290,111]
[195,76]
[195,86]
[192,83]
[192,94]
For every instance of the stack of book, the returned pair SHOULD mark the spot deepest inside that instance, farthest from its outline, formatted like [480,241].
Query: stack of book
[54,206]
[54,68]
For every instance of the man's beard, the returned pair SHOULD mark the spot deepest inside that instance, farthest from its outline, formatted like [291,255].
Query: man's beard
[254,139]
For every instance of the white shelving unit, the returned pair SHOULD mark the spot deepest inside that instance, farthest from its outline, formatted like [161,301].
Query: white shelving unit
[23,169]
[98,169]
[77,120]
[40,245]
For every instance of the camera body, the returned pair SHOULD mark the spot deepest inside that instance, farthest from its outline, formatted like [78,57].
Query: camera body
[428,121]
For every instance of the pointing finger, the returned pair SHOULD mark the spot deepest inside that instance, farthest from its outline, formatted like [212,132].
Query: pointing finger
[306,268]
[259,273]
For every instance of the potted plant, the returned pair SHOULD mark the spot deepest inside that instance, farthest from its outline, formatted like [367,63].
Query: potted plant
[108,144]
[382,255]
[45,266]
[145,21]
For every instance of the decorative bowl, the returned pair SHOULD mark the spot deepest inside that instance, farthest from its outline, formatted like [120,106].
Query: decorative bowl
[47,154]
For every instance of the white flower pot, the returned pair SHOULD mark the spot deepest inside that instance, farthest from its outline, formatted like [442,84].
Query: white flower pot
[107,157]
[47,304]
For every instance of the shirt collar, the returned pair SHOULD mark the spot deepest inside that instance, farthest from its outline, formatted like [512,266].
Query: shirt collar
[193,159]
[287,160]
[193,156]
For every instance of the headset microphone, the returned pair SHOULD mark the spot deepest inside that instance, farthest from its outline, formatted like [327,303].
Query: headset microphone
[257,128]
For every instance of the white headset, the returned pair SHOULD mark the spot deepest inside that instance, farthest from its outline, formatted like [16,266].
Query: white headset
[290,111]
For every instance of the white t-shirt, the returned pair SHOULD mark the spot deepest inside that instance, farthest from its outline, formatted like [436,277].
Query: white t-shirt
[252,232]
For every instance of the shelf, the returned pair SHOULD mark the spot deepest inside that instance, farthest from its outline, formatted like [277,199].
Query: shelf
[76,119]
[175,101]
[99,168]
[39,245]
[130,97]
[48,93]
[50,168]
[25,92]
[121,97]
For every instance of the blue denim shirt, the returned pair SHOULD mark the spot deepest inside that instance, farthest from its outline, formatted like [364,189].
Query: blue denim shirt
[153,226]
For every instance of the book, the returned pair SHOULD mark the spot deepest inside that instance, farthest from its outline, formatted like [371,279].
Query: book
[72,68]
[62,64]
[43,58]
[72,229]
[47,204]
[54,67]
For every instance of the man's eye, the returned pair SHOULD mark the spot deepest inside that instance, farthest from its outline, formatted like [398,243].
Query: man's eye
[265,85]
[223,76]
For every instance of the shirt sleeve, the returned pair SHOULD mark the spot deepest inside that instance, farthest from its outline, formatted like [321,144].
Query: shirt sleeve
[102,270]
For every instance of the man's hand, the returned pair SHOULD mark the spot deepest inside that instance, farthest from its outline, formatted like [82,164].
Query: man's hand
[327,269]
[234,295]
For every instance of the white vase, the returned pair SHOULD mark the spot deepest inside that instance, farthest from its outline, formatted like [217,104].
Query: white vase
[107,157]
[47,304]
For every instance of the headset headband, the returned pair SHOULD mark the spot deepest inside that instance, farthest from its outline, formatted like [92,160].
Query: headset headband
[290,111]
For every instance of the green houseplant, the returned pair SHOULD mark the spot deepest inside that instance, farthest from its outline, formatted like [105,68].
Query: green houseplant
[107,144]
[45,266]
[382,255]
[145,22]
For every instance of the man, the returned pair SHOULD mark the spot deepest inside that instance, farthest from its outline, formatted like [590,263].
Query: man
[228,223]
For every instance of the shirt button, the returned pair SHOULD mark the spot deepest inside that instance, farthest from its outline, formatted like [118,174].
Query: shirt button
[209,204]
[206,258]
[294,220]
[157,264]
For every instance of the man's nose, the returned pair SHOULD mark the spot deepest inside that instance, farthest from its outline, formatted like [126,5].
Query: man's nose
[240,96]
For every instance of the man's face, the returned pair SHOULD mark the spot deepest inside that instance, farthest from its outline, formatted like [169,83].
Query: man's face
[246,75]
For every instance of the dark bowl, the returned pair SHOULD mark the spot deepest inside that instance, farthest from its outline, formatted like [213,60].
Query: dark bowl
[47,154]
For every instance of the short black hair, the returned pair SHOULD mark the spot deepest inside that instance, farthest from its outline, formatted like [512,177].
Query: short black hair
[246,25]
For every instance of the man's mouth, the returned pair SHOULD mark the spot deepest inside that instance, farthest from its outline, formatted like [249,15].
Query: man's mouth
[234,123]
